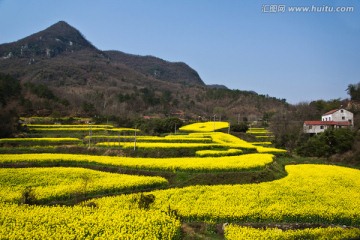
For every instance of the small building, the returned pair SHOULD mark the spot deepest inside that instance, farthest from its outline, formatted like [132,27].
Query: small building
[338,118]
[338,115]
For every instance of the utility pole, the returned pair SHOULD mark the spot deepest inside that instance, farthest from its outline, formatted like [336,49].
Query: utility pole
[90,133]
[135,140]
[214,122]
[119,138]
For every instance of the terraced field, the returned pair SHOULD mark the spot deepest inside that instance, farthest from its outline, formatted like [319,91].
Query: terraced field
[194,164]
[64,183]
[219,187]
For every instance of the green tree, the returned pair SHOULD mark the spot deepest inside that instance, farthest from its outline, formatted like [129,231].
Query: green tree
[89,108]
[40,90]
[354,91]
[166,97]
[158,126]
[344,140]
[149,97]
[169,125]
[241,127]
[9,87]
[9,123]
[332,141]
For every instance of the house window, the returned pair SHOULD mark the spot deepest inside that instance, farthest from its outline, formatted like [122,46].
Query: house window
[343,118]
[321,127]
[341,111]
[310,127]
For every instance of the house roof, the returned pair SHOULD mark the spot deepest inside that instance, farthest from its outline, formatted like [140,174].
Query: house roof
[329,123]
[331,112]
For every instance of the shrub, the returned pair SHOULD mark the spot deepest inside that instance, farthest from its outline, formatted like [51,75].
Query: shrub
[40,90]
[28,196]
[332,141]
[9,123]
[145,201]
[242,127]
[9,88]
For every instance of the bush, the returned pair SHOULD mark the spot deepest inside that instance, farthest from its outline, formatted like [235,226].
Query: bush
[40,90]
[145,201]
[28,196]
[9,123]
[242,127]
[332,141]
[158,126]
[9,88]
[313,147]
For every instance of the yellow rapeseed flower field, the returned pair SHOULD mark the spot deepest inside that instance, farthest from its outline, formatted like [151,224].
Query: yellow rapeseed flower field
[233,232]
[231,141]
[193,140]
[166,139]
[57,126]
[197,164]
[204,126]
[69,129]
[198,141]
[218,153]
[62,183]
[310,193]
[159,145]
[262,149]
[262,131]
[123,130]
[39,141]
[82,222]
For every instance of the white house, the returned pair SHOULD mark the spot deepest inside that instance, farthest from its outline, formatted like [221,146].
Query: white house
[338,115]
[338,118]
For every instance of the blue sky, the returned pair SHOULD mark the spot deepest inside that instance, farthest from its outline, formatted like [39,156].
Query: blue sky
[299,56]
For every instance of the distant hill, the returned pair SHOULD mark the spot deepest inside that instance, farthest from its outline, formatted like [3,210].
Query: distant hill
[157,68]
[62,73]
[216,86]
[62,39]
[57,39]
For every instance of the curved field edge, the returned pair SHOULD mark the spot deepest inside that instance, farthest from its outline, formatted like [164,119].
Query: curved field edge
[194,164]
[204,126]
[84,222]
[234,232]
[39,141]
[67,183]
[282,201]
[309,194]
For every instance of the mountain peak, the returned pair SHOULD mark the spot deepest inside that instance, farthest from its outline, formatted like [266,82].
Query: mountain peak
[54,40]
[62,24]
[62,29]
